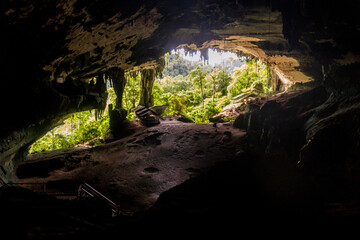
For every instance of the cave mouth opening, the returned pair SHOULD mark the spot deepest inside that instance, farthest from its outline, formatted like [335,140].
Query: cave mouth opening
[195,86]
[82,129]
[199,84]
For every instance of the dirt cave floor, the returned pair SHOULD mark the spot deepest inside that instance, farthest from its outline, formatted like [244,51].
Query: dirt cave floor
[136,169]
[175,176]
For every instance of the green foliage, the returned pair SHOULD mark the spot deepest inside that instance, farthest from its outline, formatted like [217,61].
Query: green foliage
[174,84]
[251,77]
[197,115]
[111,96]
[211,110]
[178,103]
[81,127]
[191,89]
[204,92]
[50,141]
[223,79]
[197,76]
[190,83]
[131,96]
[222,102]
[176,65]
[212,107]
[218,81]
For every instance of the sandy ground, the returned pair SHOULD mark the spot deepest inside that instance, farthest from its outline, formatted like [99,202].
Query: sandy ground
[135,170]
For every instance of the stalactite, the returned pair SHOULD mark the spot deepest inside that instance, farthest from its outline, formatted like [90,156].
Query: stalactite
[204,55]
[160,67]
[118,114]
[147,81]
[133,74]
[117,76]
[188,50]
[148,77]
[100,86]
[107,78]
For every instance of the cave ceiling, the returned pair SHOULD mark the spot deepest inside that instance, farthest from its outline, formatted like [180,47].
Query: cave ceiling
[82,38]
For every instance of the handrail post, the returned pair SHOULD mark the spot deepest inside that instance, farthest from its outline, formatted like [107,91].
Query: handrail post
[89,190]
[2,182]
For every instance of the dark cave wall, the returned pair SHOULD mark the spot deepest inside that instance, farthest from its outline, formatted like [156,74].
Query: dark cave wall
[47,42]
[329,32]
[62,101]
[40,36]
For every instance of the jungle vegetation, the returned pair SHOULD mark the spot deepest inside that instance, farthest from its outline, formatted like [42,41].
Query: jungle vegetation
[192,89]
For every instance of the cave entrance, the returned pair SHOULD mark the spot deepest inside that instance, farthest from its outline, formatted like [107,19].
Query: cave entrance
[83,129]
[193,86]
[198,85]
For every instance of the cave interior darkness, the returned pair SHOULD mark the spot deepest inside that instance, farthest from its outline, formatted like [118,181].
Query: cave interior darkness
[288,161]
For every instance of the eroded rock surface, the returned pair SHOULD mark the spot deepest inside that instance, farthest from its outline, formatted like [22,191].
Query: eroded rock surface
[307,140]
[136,169]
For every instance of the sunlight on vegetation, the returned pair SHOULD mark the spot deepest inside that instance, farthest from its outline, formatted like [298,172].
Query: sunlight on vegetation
[82,127]
[190,88]
[200,91]
[131,95]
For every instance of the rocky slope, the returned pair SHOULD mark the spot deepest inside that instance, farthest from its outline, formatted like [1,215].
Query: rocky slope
[135,170]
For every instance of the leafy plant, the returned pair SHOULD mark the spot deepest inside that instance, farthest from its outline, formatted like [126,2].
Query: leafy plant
[81,127]
[197,76]
[251,77]
[131,94]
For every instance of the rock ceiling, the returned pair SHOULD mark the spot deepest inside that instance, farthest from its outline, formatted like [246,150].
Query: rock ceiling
[81,38]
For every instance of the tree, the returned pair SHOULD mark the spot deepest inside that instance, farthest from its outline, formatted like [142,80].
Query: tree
[132,92]
[177,65]
[252,77]
[212,77]
[223,78]
[197,76]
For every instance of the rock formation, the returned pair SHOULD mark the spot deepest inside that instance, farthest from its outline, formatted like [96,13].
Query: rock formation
[51,51]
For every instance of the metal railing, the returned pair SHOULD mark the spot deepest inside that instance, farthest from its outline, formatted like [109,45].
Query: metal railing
[85,190]
[2,182]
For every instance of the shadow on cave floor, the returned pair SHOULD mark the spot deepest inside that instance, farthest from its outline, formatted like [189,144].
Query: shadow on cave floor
[136,169]
[180,177]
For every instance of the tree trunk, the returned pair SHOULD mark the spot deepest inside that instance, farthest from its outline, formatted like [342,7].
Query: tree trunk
[202,94]
[214,90]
